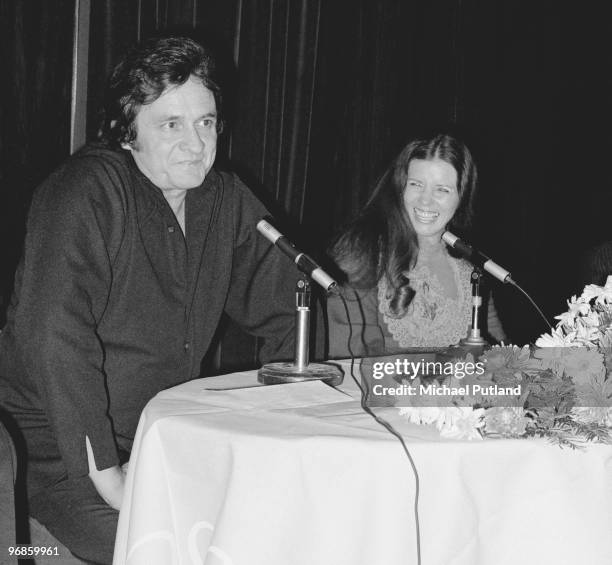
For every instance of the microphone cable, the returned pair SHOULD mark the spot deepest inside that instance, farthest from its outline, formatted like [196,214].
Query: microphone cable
[516,285]
[382,422]
[484,263]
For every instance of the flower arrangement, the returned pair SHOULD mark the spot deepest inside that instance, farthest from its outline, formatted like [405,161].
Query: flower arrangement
[565,383]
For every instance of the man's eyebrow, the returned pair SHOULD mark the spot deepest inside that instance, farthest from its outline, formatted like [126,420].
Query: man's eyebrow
[168,118]
[176,118]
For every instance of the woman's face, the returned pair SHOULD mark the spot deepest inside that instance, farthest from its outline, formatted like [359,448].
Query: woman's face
[431,196]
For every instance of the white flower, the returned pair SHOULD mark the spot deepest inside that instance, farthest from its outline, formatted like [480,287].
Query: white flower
[507,422]
[556,339]
[587,335]
[461,423]
[421,415]
[602,294]
[608,285]
[577,307]
[606,294]
[591,319]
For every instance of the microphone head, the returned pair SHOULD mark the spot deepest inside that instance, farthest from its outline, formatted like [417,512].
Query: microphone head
[268,231]
[449,238]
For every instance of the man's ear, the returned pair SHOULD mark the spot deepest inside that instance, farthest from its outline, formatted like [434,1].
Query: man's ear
[124,144]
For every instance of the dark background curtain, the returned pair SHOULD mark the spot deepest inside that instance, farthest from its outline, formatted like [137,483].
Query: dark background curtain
[36,53]
[325,92]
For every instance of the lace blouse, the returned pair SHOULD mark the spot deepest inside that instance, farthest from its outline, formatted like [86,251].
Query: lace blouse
[433,319]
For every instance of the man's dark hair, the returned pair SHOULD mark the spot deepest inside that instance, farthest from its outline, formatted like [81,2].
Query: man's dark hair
[143,75]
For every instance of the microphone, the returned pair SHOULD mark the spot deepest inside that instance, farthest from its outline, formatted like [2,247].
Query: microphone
[481,260]
[477,258]
[303,261]
[300,369]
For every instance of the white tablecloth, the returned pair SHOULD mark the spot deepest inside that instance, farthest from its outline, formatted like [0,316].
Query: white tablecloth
[298,475]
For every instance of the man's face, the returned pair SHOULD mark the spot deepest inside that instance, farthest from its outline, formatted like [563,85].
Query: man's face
[176,136]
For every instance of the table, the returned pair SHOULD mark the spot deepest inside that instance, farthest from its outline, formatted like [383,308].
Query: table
[297,474]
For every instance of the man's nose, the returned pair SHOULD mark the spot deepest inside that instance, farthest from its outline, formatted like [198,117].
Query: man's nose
[191,140]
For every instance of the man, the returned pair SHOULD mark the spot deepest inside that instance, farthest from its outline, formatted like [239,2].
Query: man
[135,247]
[8,469]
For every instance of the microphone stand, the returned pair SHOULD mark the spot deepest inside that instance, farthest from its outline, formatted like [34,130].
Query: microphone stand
[300,369]
[474,338]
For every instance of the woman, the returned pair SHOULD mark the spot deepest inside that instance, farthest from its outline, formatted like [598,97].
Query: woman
[404,287]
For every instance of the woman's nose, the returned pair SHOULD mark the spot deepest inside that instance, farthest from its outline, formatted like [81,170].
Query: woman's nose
[425,196]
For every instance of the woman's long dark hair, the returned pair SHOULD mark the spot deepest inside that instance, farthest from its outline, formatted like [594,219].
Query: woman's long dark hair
[381,241]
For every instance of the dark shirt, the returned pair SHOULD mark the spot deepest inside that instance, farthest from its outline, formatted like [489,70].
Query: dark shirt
[113,303]
[8,473]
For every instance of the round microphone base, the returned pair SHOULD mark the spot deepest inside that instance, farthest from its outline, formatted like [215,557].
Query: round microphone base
[474,345]
[473,341]
[279,373]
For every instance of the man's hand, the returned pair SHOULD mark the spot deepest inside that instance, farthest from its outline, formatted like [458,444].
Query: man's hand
[110,483]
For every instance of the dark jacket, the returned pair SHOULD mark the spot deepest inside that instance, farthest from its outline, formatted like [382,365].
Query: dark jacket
[113,304]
